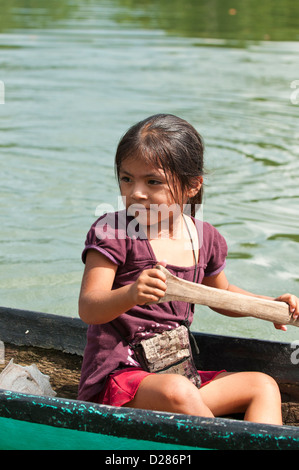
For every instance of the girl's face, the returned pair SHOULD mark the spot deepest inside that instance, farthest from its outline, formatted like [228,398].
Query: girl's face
[145,189]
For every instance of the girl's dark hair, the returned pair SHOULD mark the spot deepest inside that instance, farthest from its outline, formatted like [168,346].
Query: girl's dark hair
[170,143]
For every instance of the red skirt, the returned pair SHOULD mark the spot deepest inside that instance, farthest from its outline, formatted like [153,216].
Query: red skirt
[122,386]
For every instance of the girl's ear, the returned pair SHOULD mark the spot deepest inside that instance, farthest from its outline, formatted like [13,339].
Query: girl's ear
[194,189]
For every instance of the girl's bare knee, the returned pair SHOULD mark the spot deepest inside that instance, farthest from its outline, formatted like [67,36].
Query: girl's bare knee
[169,392]
[265,403]
[265,385]
[265,380]
[182,395]
[176,388]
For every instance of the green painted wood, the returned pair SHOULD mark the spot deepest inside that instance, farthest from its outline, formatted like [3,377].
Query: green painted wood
[102,423]
[23,435]
[175,429]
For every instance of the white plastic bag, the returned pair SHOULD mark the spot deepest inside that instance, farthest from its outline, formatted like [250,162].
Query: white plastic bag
[25,379]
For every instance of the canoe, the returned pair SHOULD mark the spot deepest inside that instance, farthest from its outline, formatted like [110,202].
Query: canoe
[56,344]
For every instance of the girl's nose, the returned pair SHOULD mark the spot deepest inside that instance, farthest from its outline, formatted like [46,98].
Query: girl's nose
[138,193]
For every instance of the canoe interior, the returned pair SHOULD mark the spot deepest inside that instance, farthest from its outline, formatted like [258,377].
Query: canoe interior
[62,368]
[56,344]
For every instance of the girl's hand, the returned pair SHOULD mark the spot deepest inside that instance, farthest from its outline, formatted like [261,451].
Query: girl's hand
[293,302]
[149,287]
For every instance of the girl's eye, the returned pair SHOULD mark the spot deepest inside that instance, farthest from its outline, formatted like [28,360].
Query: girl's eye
[154,182]
[125,179]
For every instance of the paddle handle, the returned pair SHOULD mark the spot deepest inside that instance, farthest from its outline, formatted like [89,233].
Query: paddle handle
[241,304]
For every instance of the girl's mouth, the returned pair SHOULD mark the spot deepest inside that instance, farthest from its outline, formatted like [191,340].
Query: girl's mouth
[137,209]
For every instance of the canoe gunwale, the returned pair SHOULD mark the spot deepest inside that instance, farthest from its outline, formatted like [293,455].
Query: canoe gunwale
[171,428]
[45,330]
[68,335]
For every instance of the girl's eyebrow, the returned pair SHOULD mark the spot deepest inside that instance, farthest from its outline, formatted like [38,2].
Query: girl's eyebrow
[147,175]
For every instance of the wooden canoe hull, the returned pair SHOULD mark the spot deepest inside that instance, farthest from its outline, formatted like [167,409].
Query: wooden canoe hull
[101,425]
[149,426]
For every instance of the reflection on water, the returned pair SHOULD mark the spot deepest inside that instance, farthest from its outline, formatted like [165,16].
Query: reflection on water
[78,73]
[239,20]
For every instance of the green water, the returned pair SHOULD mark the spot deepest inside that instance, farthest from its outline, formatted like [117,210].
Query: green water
[76,74]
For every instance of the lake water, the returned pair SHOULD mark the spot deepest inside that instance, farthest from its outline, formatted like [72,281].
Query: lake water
[76,74]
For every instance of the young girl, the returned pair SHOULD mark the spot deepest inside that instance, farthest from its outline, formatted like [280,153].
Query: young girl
[159,164]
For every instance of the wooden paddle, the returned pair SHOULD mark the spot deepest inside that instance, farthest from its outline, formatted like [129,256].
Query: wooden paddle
[244,305]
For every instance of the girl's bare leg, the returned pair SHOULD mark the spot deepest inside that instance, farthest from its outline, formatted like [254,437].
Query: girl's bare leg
[169,392]
[253,393]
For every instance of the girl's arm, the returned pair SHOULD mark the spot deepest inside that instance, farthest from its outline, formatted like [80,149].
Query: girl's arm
[98,303]
[220,281]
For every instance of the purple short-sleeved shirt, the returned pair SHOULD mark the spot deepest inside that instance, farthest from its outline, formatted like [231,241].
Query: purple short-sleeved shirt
[116,236]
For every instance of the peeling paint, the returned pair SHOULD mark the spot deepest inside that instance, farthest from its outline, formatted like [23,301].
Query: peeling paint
[152,427]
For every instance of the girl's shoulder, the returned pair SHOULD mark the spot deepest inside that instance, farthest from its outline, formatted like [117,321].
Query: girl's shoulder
[213,247]
[111,225]
[114,234]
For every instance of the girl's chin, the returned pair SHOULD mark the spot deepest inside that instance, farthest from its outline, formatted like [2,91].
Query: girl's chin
[140,212]
[151,217]
[144,219]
